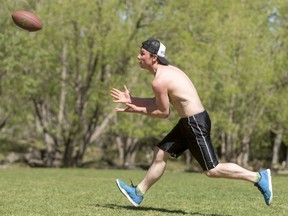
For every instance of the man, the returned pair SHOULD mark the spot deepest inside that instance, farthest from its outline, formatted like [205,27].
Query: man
[172,86]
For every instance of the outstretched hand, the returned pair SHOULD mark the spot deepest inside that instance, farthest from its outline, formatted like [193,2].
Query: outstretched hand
[125,98]
[121,97]
[129,108]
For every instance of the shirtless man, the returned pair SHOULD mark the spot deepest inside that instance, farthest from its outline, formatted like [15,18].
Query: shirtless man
[172,86]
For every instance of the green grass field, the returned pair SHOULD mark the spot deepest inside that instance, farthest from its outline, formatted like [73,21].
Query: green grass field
[79,192]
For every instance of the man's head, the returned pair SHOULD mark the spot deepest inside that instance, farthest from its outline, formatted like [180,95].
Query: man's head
[155,47]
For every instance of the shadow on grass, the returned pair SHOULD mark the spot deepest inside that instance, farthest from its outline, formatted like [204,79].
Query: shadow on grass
[162,210]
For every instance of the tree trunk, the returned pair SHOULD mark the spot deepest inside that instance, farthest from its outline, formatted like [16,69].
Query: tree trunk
[229,134]
[286,165]
[133,149]
[50,150]
[90,137]
[121,150]
[68,160]
[188,158]
[243,157]
[63,91]
[50,145]
[223,147]
[229,147]
[277,144]
[127,149]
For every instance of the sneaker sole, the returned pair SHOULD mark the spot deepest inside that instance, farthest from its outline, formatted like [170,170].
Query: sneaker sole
[270,186]
[126,194]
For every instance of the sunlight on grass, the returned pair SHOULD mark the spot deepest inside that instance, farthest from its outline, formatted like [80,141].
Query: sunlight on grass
[94,192]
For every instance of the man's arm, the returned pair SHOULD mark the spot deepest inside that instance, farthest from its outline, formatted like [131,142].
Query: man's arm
[125,97]
[155,107]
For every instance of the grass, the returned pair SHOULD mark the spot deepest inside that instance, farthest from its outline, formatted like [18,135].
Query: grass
[87,192]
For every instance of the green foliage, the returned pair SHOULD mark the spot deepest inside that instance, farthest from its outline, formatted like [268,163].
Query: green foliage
[234,51]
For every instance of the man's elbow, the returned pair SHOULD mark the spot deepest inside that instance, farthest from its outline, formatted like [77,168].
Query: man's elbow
[165,114]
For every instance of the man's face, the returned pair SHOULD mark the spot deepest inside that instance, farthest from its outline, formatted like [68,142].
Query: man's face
[144,58]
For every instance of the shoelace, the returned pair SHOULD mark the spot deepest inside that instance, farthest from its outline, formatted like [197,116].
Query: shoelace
[132,184]
[135,186]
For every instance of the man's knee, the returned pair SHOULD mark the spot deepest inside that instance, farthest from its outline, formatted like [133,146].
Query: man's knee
[160,155]
[209,173]
[212,173]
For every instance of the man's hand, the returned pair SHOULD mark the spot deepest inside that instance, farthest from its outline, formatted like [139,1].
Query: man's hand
[121,97]
[130,108]
[125,98]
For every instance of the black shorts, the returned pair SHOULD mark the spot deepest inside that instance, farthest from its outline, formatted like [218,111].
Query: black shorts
[192,133]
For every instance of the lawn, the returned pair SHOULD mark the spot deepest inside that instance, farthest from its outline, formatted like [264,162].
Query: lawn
[86,192]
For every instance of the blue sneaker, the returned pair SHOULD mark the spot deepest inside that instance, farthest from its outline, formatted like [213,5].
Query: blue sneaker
[265,185]
[129,192]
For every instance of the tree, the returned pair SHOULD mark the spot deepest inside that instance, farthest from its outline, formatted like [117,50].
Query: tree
[278,112]
[55,83]
[87,59]
[229,44]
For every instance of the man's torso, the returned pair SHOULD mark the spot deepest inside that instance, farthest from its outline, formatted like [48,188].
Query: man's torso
[181,91]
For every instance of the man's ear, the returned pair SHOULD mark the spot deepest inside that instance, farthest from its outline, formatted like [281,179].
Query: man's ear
[155,57]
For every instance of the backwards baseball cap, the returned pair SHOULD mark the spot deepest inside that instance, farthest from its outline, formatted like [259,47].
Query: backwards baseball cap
[156,47]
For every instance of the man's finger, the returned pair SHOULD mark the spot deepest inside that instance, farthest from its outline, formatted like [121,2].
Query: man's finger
[120,109]
[126,89]
[115,91]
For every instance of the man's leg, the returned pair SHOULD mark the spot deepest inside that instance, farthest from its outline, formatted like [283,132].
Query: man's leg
[262,180]
[232,171]
[135,193]
[155,171]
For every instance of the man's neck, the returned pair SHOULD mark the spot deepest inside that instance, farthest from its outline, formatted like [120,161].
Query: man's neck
[154,68]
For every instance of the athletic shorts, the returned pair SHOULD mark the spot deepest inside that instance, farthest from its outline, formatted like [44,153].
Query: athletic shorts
[192,133]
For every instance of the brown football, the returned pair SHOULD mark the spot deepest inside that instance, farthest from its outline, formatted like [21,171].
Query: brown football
[27,20]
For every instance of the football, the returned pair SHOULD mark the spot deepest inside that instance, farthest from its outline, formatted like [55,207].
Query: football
[27,20]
